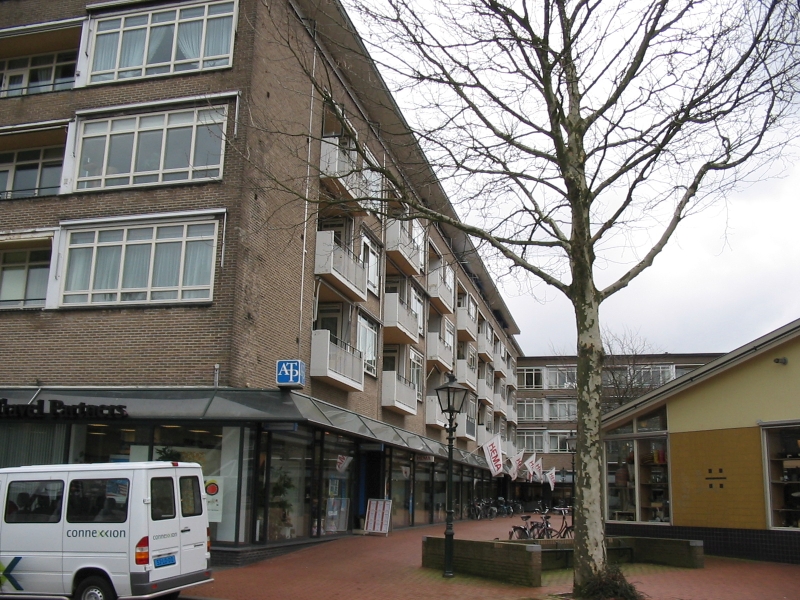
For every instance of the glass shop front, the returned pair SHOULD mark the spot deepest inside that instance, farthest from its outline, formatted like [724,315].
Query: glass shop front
[276,467]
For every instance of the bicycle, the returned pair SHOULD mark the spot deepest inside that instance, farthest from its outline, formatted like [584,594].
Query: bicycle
[565,531]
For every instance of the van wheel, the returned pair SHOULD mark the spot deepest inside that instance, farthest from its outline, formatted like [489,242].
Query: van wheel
[95,588]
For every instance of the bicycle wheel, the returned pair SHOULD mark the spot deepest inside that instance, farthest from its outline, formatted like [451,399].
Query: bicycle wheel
[492,513]
[569,532]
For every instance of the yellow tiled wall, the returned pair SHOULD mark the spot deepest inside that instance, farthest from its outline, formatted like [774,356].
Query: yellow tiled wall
[717,479]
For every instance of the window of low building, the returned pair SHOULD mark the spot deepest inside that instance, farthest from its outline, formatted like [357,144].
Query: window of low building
[783,468]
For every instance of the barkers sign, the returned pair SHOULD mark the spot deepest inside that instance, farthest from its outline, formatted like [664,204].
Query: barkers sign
[59,410]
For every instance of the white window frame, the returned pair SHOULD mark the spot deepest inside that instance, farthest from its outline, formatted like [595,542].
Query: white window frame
[59,59]
[148,21]
[30,262]
[562,377]
[562,409]
[416,372]
[48,157]
[368,346]
[557,442]
[530,409]
[371,258]
[536,437]
[652,376]
[526,378]
[418,306]
[449,339]
[140,124]
[181,290]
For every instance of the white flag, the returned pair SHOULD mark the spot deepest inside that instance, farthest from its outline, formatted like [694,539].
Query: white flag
[529,465]
[537,470]
[516,465]
[551,478]
[342,462]
[494,455]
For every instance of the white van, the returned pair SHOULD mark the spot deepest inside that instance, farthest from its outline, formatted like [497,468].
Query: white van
[103,531]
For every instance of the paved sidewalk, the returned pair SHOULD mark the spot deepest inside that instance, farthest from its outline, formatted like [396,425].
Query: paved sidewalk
[378,567]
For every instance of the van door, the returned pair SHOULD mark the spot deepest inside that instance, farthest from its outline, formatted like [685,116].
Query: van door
[194,521]
[30,544]
[163,524]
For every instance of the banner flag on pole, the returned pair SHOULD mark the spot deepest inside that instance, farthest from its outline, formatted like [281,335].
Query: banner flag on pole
[551,478]
[517,463]
[494,455]
[342,462]
[529,465]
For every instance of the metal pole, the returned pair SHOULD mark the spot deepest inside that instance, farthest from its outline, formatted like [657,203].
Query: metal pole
[448,530]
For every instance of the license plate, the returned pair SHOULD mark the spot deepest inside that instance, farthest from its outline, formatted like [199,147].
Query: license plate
[164,561]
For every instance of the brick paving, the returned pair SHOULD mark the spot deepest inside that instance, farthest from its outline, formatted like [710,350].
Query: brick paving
[379,567]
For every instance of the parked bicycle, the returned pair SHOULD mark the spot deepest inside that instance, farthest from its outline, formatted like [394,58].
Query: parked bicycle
[532,529]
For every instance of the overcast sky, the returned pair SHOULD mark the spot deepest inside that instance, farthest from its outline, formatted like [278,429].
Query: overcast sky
[726,278]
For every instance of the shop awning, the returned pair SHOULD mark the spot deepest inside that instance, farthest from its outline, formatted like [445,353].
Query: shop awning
[227,404]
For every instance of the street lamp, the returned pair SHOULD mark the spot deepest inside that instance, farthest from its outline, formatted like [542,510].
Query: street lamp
[572,442]
[451,400]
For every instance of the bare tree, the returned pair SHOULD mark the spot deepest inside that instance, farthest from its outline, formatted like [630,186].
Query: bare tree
[573,137]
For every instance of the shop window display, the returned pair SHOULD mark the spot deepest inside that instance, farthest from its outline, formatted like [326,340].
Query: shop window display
[783,446]
[287,494]
[401,488]
[440,491]
[31,444]
[621,478]
[422,493]
[338,483]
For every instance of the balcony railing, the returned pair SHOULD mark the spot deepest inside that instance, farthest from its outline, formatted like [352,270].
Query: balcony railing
[466,326]
[465,427]
[466,375]
[485,348]
[401,247]
[439,353]
[340,267]
[433,413]
[400,322]
[398,393]
[336,362]
[485,391]
[441,296]
[340,174]
[500,368]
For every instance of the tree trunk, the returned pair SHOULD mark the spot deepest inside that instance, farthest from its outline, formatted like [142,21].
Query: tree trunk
[590,551]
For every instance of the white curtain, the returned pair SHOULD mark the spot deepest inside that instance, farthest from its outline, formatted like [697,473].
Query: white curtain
[78,269]
[31,444]
[166,266]
[160,49]
[132,53]
[197,266]
[218,36]
[105,52]
[137,266]
[106,270]
[189,38]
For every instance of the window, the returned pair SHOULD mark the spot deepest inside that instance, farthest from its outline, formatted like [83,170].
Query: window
[162,42]
[418,306]
[530,441]
[373,184]
[37,74]
[170,262]
[23,277]
[563,410]
[557,441]
[681,370]
[530,378]
[191,499]
[371,259]
[391,358]
[368,344]
[472,358]
[652,375]
[98,501]
[162,498]
[417,362]
[28,173]
[34,501]
[562,378]
[466,300]
[449,334]
[449,278]
[530,410]
[153,148]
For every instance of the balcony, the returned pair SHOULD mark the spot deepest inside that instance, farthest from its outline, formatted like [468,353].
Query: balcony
[338,172]
[465,375]
[500,368]
[398,393]
[442,297]
[511,413]
[466,326]
[401,248]
[399,321]
[335,362]
[482,435]
[485,392]
[340,268]
[465,427]
[485,348]
[500,406]
[433,413]
[438,353]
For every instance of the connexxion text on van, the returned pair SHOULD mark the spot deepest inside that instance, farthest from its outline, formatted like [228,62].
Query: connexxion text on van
[112,530]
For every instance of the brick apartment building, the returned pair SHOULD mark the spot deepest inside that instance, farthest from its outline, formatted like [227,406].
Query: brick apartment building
[180,208]
[547,406]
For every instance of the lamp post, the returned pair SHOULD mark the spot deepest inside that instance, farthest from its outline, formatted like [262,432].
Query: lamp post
[451,400]
[572,442]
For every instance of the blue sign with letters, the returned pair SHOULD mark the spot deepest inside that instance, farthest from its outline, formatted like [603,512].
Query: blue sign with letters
[290,373]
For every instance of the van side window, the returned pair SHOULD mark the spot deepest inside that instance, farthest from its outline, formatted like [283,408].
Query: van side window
[191,500]
[98,501]
[34,501]
[162,498]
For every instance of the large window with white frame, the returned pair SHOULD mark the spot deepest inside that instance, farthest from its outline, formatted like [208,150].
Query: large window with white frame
[563,409]
[449,334]
[557,441]
[31,172]
[652,376]
[530,409]
[371,257]
[23,276]
[531,440]
[153,148]
[37,74]
[530,378]
[162,41]
[418,306]
[417,362]
[368,343]
[562,377]
[161,262]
